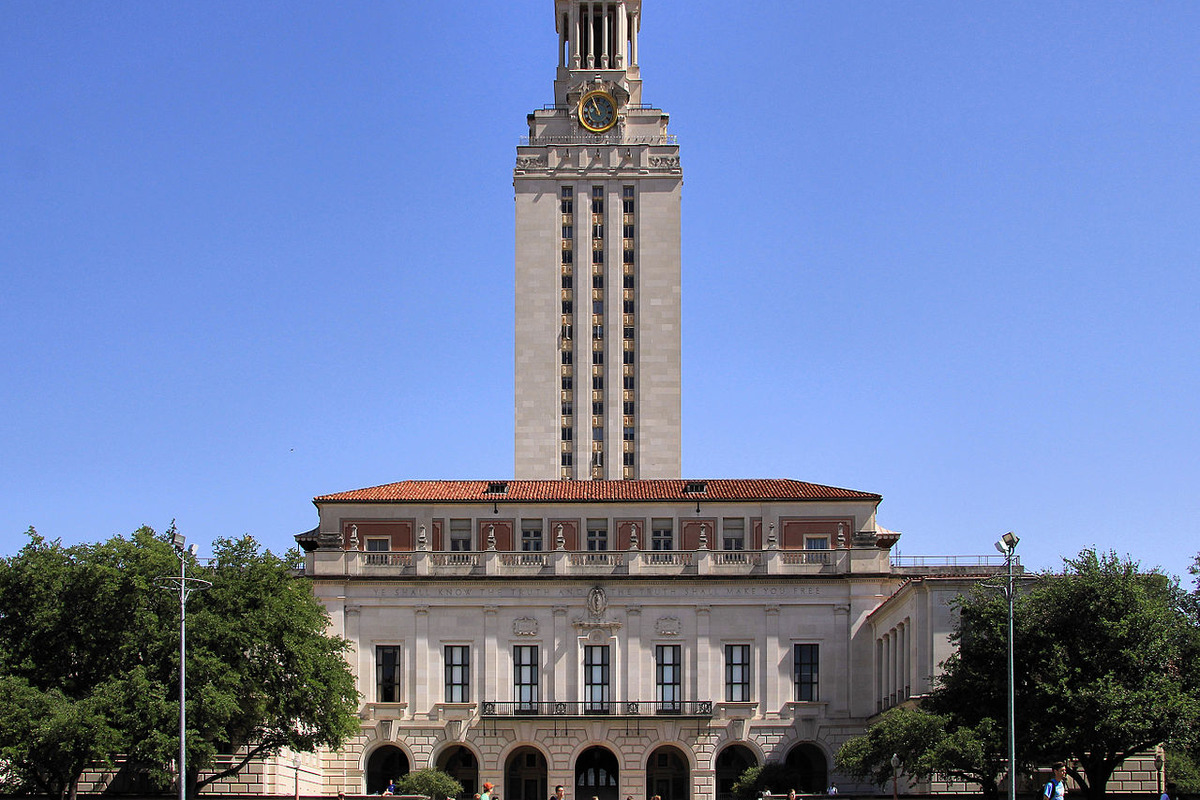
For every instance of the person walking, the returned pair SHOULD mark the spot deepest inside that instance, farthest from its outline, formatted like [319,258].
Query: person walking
[1056,788]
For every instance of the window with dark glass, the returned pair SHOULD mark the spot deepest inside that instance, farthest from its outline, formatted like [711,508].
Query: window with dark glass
[525,676]
[460,535]
[668,678]
[807,671]
[595,679]
[387,674]
[597,534]
[567,382]
[737,673]
[733,534]
[627,282]
[531,535]
[458,673]
[661,535]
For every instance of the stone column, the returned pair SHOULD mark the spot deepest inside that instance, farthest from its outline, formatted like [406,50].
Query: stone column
[773,676]
[489,666]
[703,687]
[637,23]
[560,649]
[421,665]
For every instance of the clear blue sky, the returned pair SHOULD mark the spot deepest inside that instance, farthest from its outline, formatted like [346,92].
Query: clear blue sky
[947,252]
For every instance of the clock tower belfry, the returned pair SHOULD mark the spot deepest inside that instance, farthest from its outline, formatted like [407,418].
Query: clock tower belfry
[597,184]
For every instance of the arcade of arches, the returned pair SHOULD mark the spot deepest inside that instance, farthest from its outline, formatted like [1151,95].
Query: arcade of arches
[597,771]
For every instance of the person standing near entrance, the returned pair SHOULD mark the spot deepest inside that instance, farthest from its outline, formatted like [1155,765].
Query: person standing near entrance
[1056,788]
[559,793]
[487,792]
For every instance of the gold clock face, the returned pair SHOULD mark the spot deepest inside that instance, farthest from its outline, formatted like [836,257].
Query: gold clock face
[597,111]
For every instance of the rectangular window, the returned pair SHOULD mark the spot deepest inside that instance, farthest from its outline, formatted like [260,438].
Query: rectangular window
[597,433]
[628,459]
[598,382]
[627,307]
[568,383]
[628,433]
[597,331]
[661,535]
[627,283]
[597,281]
[628,257]
[567,356]
[566,434]
[627,206]
[568,282]
[627,231]
[737,673]
[807,671]
[628,331]
[627,407]
[628,382]
[568,307]
[626,191]
[733,534]
[568,408]
[567,459]
[816,542]
[460,535]
[598,230]
[668,678]
[597,356]
[568,256]
[458,673]
[595,679]
[597,256]
[567,206]
[628,357]
[597,534]
[531,535]
[598,191]
[568,330]
[525,677]
[387,674]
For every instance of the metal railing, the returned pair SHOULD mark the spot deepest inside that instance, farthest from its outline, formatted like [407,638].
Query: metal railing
[951,561]
[540,141]
[583,708]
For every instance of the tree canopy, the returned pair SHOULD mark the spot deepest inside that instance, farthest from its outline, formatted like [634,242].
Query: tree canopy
[89,663]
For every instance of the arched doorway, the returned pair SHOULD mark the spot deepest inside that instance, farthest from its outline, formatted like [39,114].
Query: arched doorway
[731,763]
[808,763]
[525,775]
[385,764]
[459,763]
[597,774]
[667,774]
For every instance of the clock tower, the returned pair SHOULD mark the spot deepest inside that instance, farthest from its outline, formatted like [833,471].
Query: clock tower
[597,184]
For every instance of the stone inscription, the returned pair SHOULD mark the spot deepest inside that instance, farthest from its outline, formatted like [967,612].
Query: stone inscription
[615,593]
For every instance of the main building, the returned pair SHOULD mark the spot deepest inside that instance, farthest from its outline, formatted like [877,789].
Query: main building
[598,621]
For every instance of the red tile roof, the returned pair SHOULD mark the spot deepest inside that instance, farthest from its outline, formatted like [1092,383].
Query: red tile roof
[753,489]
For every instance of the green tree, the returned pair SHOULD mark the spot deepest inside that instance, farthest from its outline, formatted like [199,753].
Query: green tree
[432,783]
[775,777]
[89,662]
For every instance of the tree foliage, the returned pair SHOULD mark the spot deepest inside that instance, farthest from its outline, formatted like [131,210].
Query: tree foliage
[89,658]
[433,783]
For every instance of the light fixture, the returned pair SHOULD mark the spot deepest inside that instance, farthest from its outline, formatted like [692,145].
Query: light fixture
[895,772]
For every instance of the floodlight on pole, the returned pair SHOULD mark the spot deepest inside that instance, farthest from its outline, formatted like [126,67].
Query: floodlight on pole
[1008,545]
[184,585]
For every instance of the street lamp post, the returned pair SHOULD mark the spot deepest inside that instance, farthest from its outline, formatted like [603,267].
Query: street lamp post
[184,585]
[1008,545]
[895,772]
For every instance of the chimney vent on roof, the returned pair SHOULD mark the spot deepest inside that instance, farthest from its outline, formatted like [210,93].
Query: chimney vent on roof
[497,487]
[695,487]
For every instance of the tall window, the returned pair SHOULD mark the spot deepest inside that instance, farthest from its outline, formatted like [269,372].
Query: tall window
[807,671]
[531,535]
[668,678]
[595,679]
[737,673]
[458,673]
[733,534]
[387,673]
[525,676]
[460,535]
[597,534]
[377,550]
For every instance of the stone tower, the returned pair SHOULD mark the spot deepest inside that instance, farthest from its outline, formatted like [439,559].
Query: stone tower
[597,185]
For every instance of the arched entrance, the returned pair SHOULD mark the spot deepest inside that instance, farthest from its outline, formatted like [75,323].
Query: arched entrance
[597,774]
[525,775]
[731,763]
[667,774]
[385,764]
[459,763]
[808,763]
